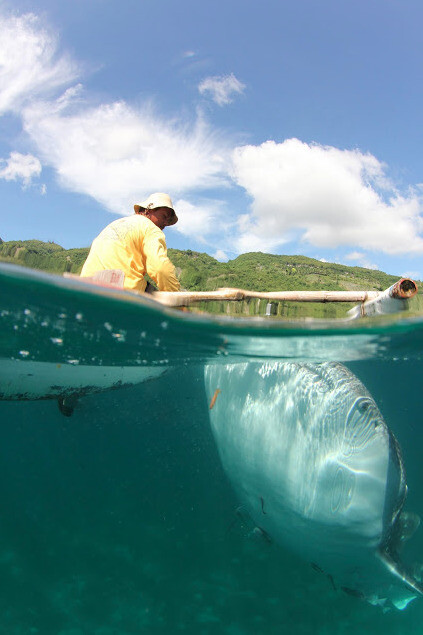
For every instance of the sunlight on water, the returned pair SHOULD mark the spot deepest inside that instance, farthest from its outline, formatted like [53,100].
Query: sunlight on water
[128,517]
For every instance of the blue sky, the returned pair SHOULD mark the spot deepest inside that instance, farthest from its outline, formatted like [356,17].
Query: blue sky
[286,126]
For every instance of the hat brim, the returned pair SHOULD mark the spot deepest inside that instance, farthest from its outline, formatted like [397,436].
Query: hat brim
[173,220]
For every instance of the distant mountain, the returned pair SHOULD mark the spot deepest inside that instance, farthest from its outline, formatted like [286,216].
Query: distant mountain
[200,272]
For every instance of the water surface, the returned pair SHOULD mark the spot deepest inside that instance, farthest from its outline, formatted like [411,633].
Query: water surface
[120,519]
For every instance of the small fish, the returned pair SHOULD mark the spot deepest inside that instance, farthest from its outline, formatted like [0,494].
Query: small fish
[332,582]
[316,567]
[258,532]
[353,592]
[262,505]
[213,400]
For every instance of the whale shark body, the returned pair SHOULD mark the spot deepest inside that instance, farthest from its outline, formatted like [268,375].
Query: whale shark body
[317,469]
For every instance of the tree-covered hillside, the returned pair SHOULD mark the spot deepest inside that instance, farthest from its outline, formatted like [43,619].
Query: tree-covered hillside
[200,272]
[45,256]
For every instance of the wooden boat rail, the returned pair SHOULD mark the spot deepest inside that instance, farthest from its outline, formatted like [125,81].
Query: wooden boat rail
[401,290]
[391,300]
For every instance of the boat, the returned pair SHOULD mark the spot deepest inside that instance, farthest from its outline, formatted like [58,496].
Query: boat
[66,337]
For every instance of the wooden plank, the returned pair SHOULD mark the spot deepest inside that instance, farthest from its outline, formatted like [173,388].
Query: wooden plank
[185,298]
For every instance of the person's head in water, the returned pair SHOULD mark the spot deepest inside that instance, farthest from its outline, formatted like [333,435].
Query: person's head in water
[159,209]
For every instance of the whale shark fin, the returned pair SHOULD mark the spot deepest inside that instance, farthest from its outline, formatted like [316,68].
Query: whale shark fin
[404,527]
[399,571]
[408,523]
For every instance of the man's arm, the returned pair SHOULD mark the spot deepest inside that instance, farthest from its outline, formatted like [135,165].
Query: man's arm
[158,265]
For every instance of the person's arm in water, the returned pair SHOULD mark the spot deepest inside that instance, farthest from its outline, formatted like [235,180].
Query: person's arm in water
[158,266]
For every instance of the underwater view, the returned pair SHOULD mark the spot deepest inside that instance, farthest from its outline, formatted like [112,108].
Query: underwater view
[166,471]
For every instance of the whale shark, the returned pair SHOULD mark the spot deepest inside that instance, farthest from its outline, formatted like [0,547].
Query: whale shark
[317,469]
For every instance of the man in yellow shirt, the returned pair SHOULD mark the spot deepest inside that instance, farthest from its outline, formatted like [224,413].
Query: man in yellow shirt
[136,246]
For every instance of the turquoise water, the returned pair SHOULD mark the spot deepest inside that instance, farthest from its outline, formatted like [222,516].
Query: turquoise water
[120,519]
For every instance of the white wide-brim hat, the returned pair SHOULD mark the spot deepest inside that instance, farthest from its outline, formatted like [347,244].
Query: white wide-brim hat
[158,200]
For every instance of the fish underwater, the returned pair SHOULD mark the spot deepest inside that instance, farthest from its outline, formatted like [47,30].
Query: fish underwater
[317,469]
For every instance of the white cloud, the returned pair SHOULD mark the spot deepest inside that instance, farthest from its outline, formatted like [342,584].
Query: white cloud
[222,89]
[113,152]
[329,197]
[361,260]
[414,275]
[118,155]
[29,66]
[20,167]
[195,221]
[221,256]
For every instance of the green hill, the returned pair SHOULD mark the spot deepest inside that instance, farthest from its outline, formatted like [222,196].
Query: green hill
[267,272]
[200,272]
[45,256]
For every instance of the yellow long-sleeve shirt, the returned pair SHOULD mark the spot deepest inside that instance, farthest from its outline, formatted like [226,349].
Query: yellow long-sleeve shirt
[136,246]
